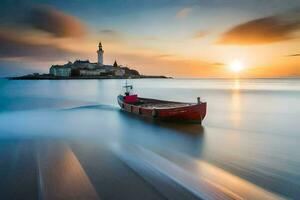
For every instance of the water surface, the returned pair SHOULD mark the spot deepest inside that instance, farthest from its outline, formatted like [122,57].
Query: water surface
[73,132]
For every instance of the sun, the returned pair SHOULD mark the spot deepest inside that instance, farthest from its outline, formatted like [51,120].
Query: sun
[236,66]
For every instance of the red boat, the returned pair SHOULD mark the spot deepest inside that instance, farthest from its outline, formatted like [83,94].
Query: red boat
[162,110]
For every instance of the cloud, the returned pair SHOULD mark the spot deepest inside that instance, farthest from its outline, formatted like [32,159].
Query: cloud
[110,32]
[183,13]
[12,46]
[111,35]
[264,30]
[200,34]
[59,24]
[294,55]
[163,56]
[217,64]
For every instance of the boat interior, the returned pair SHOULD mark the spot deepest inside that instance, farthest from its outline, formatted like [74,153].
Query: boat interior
[159,104]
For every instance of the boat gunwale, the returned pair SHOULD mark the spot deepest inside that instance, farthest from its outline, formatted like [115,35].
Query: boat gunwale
[167,108]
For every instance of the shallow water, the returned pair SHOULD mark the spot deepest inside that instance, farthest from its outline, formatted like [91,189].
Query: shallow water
[248,146]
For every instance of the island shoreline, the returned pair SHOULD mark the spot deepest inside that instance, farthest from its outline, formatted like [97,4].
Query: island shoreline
[48,77]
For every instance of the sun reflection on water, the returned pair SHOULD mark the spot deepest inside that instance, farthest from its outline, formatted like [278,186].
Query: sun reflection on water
[236,103]
[237,84]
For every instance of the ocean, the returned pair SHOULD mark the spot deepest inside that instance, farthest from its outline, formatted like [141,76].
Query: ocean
[68,139]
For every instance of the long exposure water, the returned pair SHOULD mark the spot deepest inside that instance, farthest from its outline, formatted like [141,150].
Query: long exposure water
[69,138]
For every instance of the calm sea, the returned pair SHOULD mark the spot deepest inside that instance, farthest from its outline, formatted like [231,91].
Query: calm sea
[68,138]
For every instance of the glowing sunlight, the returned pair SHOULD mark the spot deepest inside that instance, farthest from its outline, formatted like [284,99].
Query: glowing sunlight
[236,66]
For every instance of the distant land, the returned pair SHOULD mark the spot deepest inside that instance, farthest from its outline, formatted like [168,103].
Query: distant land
[84,69]
[50,77]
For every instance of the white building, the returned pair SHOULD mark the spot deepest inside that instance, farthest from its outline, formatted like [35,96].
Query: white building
[60,71]
[86,68]
[100,53]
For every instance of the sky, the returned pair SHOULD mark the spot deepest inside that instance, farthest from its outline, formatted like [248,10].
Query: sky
[178,38]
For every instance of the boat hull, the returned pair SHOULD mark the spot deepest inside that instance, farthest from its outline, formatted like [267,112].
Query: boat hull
[183,112]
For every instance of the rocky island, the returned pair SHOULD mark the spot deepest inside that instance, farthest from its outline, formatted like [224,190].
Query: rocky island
[84,69]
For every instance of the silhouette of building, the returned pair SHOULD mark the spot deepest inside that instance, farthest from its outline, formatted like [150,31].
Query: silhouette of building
[116,64]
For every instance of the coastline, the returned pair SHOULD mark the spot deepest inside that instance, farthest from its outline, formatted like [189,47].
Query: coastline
[48,77]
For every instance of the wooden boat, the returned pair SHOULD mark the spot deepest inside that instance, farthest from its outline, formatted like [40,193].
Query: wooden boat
[162,110]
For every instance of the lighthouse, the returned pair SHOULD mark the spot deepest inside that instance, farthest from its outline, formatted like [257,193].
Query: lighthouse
[100,54]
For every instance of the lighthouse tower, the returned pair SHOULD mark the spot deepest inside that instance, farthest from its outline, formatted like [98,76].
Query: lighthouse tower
[100,54]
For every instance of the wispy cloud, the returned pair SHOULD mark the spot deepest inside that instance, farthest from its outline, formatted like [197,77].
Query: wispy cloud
[200,34]
[183,13]
[55,22]
[110,32]
[111,35]
[217,64]
[294,55]
[264,30]
[13,46]
[163,56]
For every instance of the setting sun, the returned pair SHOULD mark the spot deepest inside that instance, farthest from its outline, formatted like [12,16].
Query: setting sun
[236,66]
